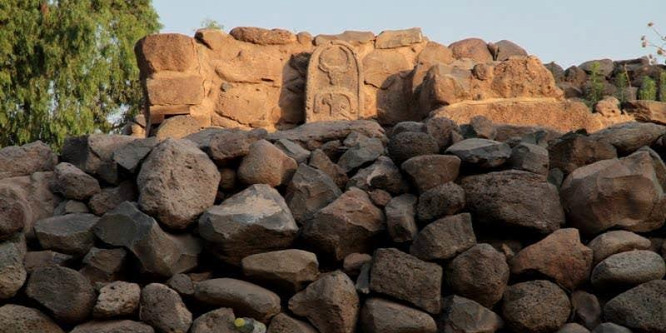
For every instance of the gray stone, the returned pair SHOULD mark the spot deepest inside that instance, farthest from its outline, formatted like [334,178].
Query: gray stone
[319,160]
[407,278]
[573,328]
[445,131]
[104,265]
[400,221]
[216,321]
[94,154]
[349,224]
[117,299]
[285,324]
[429,171]
[177,182]
[642,309]
[71,207]
[330,303]
[30,198]
[535,306]
[130,156]
[382,316]
[505,49]
[461,314]
[111,197]
[480,274]
[479,127]
[586,308]
[113,326]
[293,150]
[316,133]
[514,198]
[65,293]
[12,271]
[574,150]
[616,241]
[17,318]
[481,153]
[442,200]
[444,238]
[73,183]
[15,212]
[382,174]
[408,126]
[353,263]
[529,157]
[610,328]
[227,145]
[309,191]
[158,252]
[37,259]
[628,269]
[69,234]
[406,145]
[253,221]
[247,299]
[629,137]
[365,151]
[162,308]
[27,159]
[287,269]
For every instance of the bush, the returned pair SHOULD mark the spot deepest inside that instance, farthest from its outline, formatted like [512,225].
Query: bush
[648,91]
[595,91]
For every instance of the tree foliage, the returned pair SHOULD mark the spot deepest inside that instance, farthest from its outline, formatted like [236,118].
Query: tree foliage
[67,67]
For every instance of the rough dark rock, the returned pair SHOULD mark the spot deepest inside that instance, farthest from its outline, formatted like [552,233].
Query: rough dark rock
[216,321]
[162,308]
[535,306]
[287,269]
[378,315]
[364,152]
[111,197]
[113,326]
[628,269]
[117,299]
[400,218]
[586,309]
[64,292]
[104,265]
[481,153]
[642,309]
[266,164]
[461,314]
[12,270]
[69,234]
[285,324]
[247,299]
[319,160]
[17,318]
[429,171]
[529,157]
[406,145]
[629,137]
[309,191]
[616,241]
[27,159]
[73,183]
[382,174]
[443,200]
[444,238]
[575,150]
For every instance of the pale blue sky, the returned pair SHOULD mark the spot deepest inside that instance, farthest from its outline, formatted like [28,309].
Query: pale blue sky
[566,31]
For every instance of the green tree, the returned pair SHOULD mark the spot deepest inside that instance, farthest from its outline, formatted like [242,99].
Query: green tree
[648,90]
[209,23]
[67,67]
[662,86]
[595,91]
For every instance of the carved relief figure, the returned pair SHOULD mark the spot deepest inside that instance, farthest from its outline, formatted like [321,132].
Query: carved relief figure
[333,84]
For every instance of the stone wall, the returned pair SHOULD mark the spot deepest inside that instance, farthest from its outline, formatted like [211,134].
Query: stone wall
[258,78]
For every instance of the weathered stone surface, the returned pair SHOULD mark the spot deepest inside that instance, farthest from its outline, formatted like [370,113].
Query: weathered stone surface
[429,171]
[586,308]
[481,153]
[444,238]
[560,256]
[378,315]
[433,53]
[287,269]
[611,328]
[113,326]
[616,241]
[628,137]
[38,259]
[445,131]
[111,197]
[317,133]
[349,36]
[131,155]
[535,306]
[573,328]
[650,111]
[330,303]
[407,278]
[266,164]
[12,271]
[309,191]
[623,193]
[364,152]
[349,224]
[514,198]
[253,221]
[158,252]
[17,318]
[609,106]
[293,150]
[473,48]
[319,160]
[73,183]
[443,200]
[285,324]
[574,150]
[15,212]
[480,273]
[27,159]
[104,265]
[94,154]
[263,36]
[166,52]
[64,292]
[71,207]
[628,269]
[334,83]
[400,221]
[216,321]
[461,314]
[175,89]
[642,309]
[247,299]
[69,234]
[390,39]
[227,145]
[353,263]
[177,182]
[505,49]
[117,299]
[177,127]
[383,174]
[162,308]
[411,144]
[529,157]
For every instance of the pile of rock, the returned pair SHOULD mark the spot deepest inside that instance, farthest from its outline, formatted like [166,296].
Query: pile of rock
[338,227]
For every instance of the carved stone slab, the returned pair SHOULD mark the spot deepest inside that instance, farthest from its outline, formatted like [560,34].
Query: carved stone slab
[334,83]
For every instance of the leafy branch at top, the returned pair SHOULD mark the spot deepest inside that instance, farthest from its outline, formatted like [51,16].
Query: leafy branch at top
[659,45]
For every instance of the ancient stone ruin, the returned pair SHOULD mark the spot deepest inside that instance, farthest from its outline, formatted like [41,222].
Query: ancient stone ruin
[340,184]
